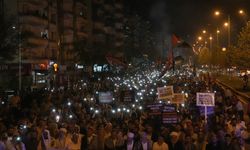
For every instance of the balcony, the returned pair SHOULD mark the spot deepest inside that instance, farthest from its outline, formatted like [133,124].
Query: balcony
[37,42]
[33,19]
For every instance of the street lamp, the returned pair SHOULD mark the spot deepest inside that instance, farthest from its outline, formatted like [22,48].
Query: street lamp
[204,31]
[217,36]
[224,49]
[217,13]
[199,38]
[241,12]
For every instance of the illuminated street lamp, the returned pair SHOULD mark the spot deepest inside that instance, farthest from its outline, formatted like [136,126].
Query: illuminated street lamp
[199,38]
[217,13]
[224,49]
[204,31]
[226,24]
[241,12]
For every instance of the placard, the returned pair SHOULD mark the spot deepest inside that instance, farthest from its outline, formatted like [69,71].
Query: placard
[127,96]
[204,99]
[154,109]
[166,92]
[169,114]
[210,110]
[179,98]
[105,97]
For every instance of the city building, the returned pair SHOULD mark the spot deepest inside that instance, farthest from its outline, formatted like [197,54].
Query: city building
[107,31]
[50,30]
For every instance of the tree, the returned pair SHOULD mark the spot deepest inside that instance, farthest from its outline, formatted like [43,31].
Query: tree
[204,56]
[8,40]
[239,55]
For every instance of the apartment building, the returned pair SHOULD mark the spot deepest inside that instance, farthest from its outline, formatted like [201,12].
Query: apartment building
[108,19]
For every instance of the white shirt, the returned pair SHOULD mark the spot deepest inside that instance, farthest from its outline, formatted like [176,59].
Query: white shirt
[145,146]
[130,146]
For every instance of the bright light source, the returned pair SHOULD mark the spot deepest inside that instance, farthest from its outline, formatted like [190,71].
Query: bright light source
[204,31]
[216,13]
[53,110]
[226,24]
[199,38]
[70,116]
[69,104]
[241,11]
[224,49]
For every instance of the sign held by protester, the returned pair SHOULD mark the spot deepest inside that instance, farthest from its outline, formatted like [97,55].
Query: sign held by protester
[205,99]
[178,98]
[105,97]
[165,92]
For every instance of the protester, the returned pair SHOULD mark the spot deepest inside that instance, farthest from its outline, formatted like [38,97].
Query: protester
[75,118]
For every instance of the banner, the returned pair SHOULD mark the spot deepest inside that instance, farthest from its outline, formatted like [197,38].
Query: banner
[154,109]
[210,110]
[165,92]
[127,96]
[105,97]
[204,99]
[178,98]
[169,114]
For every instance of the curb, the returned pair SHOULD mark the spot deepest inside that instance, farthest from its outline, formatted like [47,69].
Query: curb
[244,96]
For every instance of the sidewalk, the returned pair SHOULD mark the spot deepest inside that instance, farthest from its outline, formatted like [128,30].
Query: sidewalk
[235,82]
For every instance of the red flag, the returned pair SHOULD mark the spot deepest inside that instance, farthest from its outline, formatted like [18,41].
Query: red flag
[175,40]
[114,61]
[170,59]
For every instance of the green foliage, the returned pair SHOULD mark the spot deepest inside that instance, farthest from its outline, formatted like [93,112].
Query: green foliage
[204,56]
[240,54]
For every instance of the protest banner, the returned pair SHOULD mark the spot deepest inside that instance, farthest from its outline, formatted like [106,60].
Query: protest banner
[105,97]
[169,114]
[127,96]
[205,99]
[179,98]
[154,109]
[210,110]
[166,92]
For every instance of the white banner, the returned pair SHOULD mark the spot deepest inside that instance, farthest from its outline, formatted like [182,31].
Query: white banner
[105,97]
[166,92]
[205,99]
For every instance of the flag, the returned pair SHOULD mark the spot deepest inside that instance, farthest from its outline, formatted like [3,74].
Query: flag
[170,58]
[115,61]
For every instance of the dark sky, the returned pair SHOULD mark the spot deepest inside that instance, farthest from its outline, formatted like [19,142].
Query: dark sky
[187,17]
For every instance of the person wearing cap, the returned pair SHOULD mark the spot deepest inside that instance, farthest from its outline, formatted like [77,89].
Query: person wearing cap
[160,144]
[175,143]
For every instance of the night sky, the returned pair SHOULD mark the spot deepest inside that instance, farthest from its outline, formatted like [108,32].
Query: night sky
[187,17]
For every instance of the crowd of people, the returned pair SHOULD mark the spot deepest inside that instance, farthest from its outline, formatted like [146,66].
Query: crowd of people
[74,118]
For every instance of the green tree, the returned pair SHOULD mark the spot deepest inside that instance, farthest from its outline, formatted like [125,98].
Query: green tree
[204,56]
[239,55]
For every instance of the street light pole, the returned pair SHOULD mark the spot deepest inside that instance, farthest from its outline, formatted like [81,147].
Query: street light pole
[19,50]
[229,30]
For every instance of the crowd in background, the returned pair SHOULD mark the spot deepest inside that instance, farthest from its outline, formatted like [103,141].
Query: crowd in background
[74,119]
